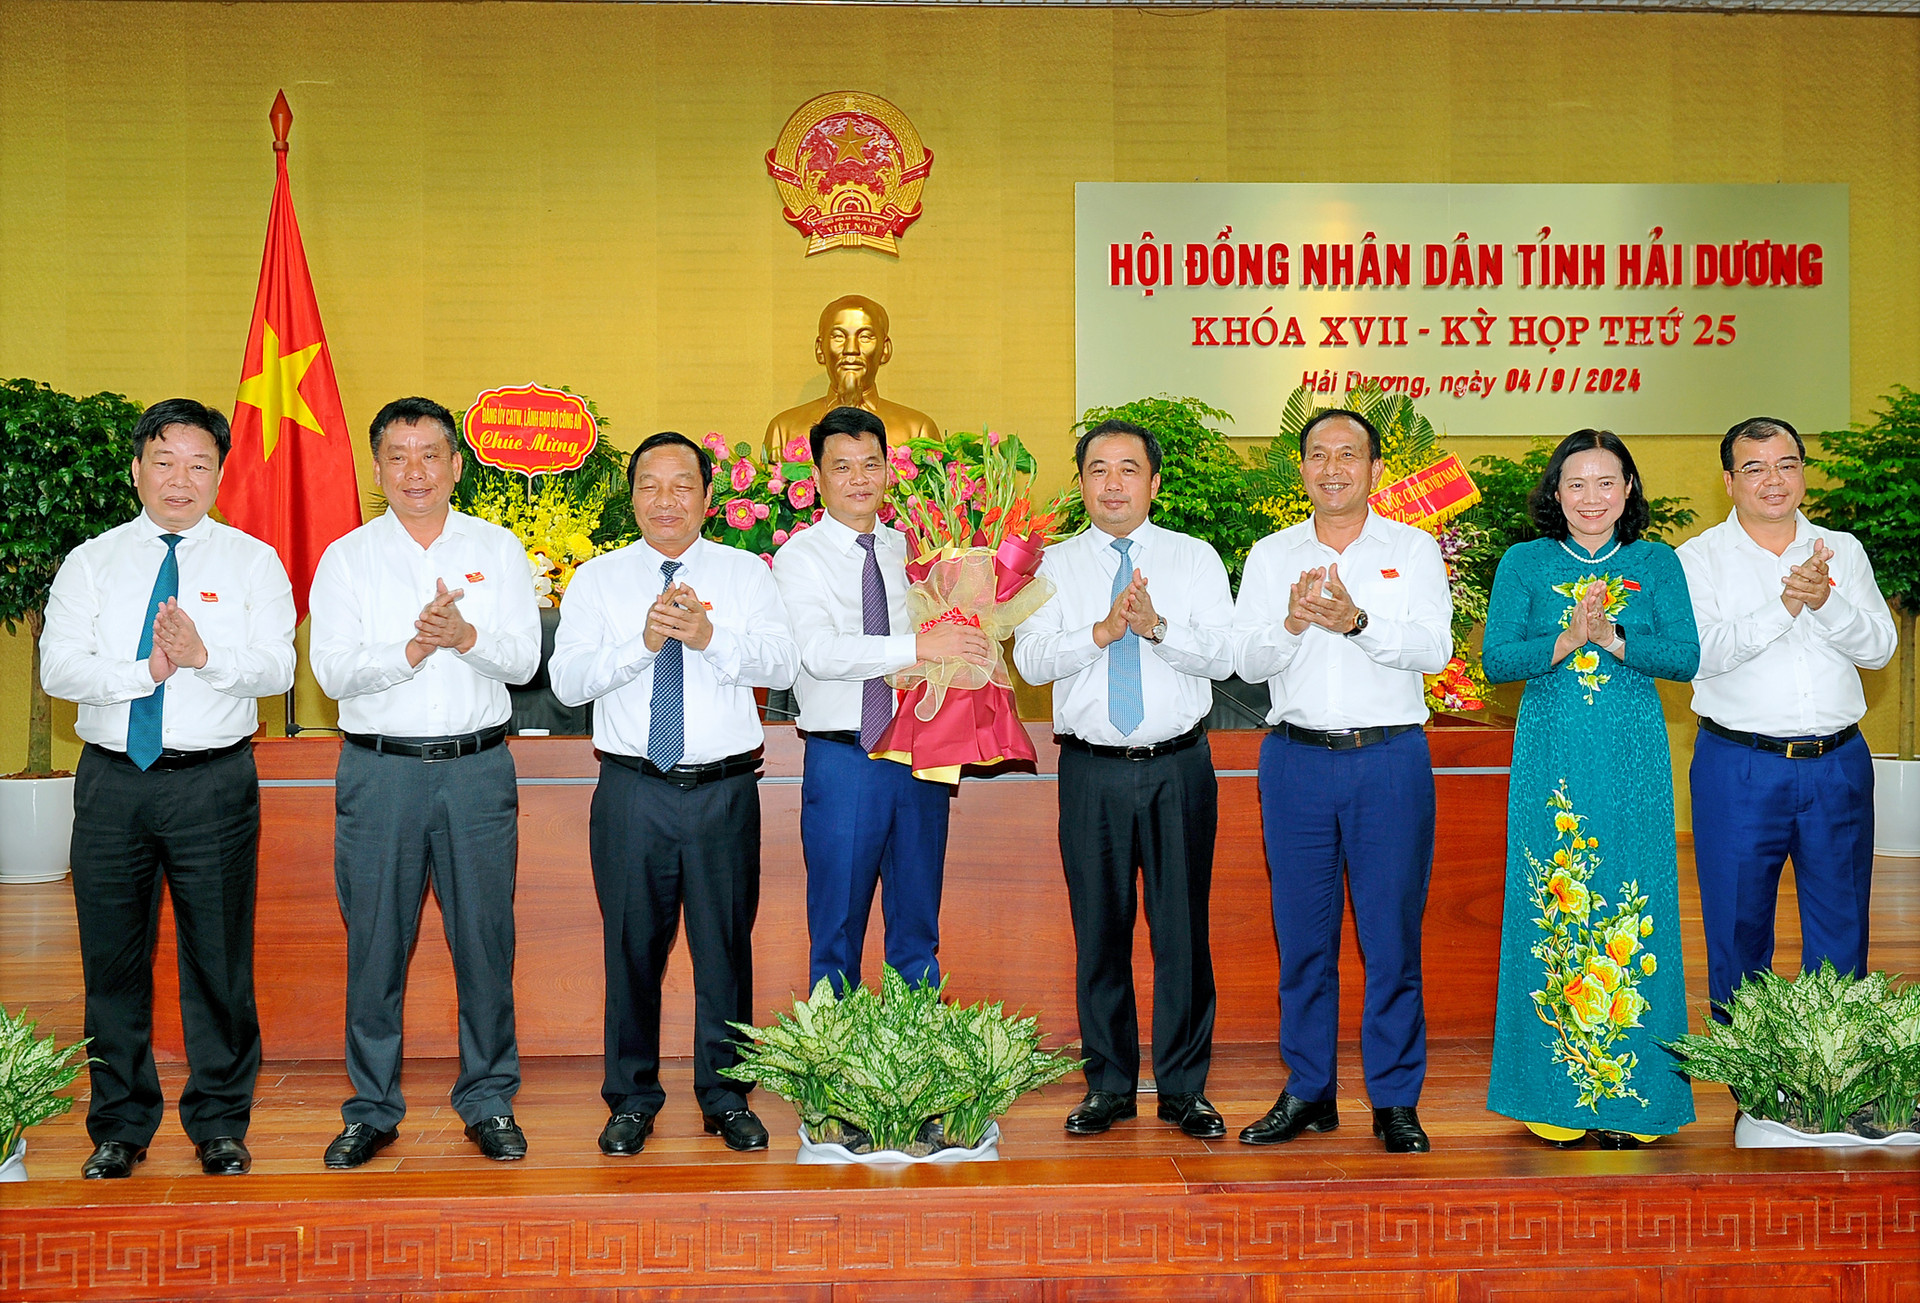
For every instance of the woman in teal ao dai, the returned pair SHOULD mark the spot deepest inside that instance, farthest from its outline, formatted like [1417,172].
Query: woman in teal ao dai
[1591,981]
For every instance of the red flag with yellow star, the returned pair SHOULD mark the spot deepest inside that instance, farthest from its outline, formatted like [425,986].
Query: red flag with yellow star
[289,478]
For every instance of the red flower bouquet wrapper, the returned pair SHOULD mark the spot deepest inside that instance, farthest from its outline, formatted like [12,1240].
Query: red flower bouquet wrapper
[951,713]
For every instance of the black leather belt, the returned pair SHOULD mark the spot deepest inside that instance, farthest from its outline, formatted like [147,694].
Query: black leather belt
[431,748]
[1804,748]
[1192,737]
[847,736]
[1341,739]
[176,759]
[688,777]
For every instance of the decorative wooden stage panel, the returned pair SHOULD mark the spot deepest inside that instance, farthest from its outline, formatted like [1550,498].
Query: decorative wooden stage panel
[1005,929]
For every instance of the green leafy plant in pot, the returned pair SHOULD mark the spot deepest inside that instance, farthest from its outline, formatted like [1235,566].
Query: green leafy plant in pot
[33,1072]
[901,1069]
[1822,1054]
[1872,491]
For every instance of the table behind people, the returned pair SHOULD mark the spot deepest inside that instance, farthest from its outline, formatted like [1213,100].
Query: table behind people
[676,814]
[420,618]
[1140,621]
[165,630]
[1789,614]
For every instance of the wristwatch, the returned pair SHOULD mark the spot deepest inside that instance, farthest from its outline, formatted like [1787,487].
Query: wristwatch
[1159,631]
[1359,623]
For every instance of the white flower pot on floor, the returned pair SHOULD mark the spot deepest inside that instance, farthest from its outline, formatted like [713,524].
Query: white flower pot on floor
[1759,1133]
[813,1151]
[36,828]
[15,1167]
[1896,806]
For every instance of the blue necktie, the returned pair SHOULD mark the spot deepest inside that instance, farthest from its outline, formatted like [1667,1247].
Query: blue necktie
[667,726]
[1124,704]
[143,715]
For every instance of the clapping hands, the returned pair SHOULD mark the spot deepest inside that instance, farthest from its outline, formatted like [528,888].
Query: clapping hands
[1806,585]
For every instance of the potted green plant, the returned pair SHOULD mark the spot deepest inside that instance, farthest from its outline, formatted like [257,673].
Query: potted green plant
[898,1075]
[63,479]
[1816,1060]
[1873,492]
[33,1072]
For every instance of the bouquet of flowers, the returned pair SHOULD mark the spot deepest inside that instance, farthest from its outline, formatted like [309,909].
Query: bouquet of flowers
[758,507]
[555,529]
[974,543]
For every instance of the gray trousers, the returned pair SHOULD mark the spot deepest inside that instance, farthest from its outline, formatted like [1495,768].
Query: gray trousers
[398,822]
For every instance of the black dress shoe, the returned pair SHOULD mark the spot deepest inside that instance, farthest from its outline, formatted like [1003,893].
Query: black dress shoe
[359,1142]
[1099,1111]
[1289,1116]
[112,1160]
[626,1134]
[740,1129]
[1400,1131]
[499,1138]
[1617,1140]
[1193,1115]
[224,1156]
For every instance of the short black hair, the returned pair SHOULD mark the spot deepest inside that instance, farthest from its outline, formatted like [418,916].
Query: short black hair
[1759,429]
[1112,427]
[411,411]
[1373,435]
[182,411]
[856,421]
[1543,504]
[670,439]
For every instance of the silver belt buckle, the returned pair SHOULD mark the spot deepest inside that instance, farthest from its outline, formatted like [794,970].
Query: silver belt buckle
[1337,738]
[1139,753]
[434,751]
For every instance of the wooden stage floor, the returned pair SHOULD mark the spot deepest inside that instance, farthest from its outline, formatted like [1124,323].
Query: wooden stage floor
[1143,1212]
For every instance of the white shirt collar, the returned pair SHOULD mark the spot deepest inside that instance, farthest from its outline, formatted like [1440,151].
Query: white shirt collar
[148,527]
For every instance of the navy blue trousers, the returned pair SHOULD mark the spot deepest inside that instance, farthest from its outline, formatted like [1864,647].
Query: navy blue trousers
[1364,815]
[1752,811]
[867,823]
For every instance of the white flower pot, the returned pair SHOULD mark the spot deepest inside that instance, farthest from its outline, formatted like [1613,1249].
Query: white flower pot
[1896,806]
[813,1151]
[1758,1133]
[15,1167]
[36,828]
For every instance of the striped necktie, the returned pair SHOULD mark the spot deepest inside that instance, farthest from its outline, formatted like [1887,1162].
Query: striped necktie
[667,725]
[876,698]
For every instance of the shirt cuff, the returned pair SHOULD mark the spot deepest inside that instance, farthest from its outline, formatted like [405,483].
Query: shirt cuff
[1833,614]
[216,673]
[723,653]
[903,652]
[392,660]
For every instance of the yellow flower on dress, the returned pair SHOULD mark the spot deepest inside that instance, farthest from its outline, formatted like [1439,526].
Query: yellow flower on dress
[1607,1069]
[1587,1001]
[1562,858]
[1605,972]
[1569,897]
[1564,822]
[1647,965]
[1586,662]
[1646,927]
[1625,1008]
[1621,945]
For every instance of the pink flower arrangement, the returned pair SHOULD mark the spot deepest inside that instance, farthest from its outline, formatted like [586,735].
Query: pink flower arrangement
[742,475]
[801,494]
[761,510]
[780,536]
[716,443]
[740,513]
[797,449]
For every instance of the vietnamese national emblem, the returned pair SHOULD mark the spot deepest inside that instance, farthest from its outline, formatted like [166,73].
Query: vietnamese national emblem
[849,168]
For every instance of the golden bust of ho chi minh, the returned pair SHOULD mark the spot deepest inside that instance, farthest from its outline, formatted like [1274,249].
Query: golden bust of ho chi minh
[853,345]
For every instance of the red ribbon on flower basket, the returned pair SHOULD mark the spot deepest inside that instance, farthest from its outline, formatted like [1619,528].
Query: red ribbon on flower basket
[953,713]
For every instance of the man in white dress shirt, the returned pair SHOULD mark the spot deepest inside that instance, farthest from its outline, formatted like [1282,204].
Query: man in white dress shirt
[863,822]
[1789,613]
[164,630]
[1341,615]
[1140,624]
[421,617]
[669,637]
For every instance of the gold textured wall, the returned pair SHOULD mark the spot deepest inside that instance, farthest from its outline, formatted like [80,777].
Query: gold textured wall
[574,193]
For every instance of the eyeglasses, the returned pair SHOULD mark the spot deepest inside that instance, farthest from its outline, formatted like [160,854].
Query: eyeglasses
[1754,472]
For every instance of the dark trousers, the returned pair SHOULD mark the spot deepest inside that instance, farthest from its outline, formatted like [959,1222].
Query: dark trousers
[199,829]
[1156,817]
[1364,816]
[657,848]
[867,823]
[398,822]
[1753,811]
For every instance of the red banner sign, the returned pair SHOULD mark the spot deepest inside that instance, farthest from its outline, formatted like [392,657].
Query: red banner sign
[530,430]
[1429,498]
